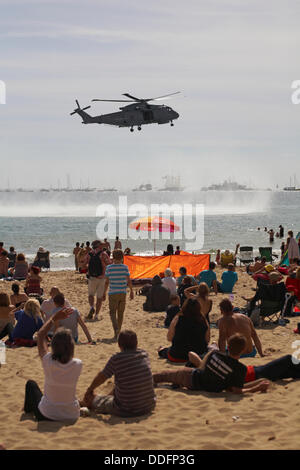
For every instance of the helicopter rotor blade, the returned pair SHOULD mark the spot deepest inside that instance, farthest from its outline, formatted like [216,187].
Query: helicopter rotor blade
[132,97]
[162,97]
[115,101]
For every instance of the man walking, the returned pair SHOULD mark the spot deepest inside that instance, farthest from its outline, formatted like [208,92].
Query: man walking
[97,261]
[117,277]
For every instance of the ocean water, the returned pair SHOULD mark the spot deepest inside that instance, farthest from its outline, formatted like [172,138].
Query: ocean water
[57,220]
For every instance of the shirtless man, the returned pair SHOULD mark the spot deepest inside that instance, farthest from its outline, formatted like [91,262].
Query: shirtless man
[232,323]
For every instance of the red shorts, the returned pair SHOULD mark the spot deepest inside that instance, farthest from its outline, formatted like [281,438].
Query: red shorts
[250,376]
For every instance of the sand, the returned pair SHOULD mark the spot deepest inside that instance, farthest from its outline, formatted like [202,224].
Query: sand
[182,419]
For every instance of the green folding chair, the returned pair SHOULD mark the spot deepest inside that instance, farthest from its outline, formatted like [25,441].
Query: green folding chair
[266,251]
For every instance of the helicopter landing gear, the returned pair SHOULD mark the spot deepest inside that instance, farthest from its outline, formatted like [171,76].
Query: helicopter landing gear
[139,128]
[172,124]
[131,129]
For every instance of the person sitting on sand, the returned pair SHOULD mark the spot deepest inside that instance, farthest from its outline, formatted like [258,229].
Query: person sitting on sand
[28,323]
[183,274]
[209,277]
[228,257]
[169,251]
[71,321]
[186,282]
[7,318]
[42,259]
[264,274]
[229,278]
[33,282]
[158,296]
[4,262]
[20,271]
[177,252]
[172,309]
[48,306]
[232,323]
[200,293]
[169,281]
[61,370]
[133,394]
[12,255]
[17,299]
[216,372]
[188,331]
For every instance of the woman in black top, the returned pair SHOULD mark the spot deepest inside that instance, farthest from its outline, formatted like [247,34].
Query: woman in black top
[189,331]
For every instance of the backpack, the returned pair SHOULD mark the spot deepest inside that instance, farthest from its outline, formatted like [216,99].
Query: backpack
[95,265]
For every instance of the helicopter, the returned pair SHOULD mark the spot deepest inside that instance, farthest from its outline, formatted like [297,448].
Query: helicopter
[138,113]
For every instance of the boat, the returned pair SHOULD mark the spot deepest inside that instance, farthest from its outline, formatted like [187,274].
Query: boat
[104,190]
[172,183]
[227,185]
[290,187]
[144,187]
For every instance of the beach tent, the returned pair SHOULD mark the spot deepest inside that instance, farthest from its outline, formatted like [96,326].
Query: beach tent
[142,267]
[285,259]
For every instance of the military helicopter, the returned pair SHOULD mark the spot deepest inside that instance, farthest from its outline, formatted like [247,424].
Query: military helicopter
[138,113]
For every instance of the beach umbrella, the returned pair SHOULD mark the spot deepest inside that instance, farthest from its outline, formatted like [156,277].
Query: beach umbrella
[153,224]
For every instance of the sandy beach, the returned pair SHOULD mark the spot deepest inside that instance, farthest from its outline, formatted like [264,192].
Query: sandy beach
[182,419]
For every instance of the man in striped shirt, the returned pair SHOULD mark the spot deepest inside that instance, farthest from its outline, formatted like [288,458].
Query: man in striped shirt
[117,277]
[133,394]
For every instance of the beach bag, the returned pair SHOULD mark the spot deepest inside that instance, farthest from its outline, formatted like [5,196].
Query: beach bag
[255,316]
[95,265]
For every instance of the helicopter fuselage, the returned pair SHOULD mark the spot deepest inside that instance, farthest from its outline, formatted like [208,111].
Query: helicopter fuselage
[136,115]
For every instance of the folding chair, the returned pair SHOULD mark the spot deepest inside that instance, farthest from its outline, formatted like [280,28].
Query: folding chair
[266,251]
[246,254]
[272,297]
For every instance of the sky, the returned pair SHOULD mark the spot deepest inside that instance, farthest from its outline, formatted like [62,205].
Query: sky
[233,62]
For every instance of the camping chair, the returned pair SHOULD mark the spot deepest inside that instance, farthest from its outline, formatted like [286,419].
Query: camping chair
[267,252]
[226,259]
[272,301]
[246,254]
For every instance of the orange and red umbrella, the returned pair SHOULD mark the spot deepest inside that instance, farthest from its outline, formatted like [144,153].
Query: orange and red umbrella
[153,224]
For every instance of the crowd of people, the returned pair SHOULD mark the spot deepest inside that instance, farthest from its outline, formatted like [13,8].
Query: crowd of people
[28,319]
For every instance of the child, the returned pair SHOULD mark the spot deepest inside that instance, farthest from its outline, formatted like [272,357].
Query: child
[33,282]
[172,309]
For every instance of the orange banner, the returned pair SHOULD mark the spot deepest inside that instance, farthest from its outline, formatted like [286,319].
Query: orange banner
[141,267]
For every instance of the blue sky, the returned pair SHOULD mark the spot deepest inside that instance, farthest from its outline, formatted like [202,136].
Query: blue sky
[233,61]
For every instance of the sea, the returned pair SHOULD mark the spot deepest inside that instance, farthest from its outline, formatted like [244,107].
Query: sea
[56,220]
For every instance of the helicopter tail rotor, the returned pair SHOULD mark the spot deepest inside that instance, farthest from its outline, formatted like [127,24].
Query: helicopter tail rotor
[78,109]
